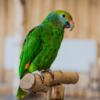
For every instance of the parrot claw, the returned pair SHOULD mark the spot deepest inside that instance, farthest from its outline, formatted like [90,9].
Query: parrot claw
[42,77]
[51,72]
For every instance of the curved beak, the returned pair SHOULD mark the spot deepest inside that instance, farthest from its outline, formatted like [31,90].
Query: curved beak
[69,24]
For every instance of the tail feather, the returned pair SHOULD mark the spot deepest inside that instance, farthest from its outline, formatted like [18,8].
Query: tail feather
[20,93]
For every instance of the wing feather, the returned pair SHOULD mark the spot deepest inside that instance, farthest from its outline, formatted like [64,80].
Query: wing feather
[31,46]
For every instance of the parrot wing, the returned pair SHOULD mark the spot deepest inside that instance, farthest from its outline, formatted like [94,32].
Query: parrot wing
[30,49]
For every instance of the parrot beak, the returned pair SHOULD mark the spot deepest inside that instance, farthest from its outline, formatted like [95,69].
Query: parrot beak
[69,24]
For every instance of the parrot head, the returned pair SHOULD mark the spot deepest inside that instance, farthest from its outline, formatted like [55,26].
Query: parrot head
[60,18]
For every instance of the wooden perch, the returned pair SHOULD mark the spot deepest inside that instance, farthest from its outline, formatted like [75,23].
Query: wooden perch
[32,82]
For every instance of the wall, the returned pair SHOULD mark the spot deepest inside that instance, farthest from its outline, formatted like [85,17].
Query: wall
[6,29]
[85,14]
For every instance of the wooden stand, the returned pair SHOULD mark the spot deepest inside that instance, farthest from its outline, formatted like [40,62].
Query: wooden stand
[53,90]
[55,93]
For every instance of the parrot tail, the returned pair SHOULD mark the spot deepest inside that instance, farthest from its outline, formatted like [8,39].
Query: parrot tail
[20,93]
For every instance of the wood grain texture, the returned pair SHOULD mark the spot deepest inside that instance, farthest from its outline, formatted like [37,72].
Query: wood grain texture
[32,82]
[55,92]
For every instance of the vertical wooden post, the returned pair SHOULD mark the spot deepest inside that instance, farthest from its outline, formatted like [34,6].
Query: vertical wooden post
[48,94]
[18,40]
[55,93]
[3,28]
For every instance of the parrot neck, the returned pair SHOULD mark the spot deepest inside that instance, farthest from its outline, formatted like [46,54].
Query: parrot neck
[54,21]
[53,25]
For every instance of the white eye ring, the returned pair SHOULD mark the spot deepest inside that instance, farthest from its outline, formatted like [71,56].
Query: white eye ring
[63,15]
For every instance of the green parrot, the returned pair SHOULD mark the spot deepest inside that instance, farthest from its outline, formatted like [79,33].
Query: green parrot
[42,43]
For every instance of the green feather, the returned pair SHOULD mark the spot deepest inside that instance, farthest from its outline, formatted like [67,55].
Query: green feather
[21,93]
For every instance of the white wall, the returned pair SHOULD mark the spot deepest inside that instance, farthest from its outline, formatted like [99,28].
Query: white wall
[76,55]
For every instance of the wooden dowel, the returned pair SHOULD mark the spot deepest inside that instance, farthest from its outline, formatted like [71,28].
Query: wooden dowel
[32,82]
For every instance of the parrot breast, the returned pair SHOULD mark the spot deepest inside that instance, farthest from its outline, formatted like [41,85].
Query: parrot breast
[52,39]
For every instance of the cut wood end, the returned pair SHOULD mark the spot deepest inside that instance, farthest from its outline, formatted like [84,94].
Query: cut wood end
[27,81]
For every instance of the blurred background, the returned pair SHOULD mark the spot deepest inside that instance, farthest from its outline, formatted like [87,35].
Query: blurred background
[79,52]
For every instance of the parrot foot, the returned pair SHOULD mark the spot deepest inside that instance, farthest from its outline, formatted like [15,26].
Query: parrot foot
[41,75]
[51,72]
[60,71]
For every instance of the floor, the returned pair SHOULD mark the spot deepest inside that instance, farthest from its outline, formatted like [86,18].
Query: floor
[38,97]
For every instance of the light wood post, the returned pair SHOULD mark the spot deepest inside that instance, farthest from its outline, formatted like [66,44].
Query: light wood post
[55,93]
[18,40]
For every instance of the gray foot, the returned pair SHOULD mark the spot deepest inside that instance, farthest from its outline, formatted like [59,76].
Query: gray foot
[51,72]
[41,75]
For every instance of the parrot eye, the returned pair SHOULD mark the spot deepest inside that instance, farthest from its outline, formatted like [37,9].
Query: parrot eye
[63,15]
